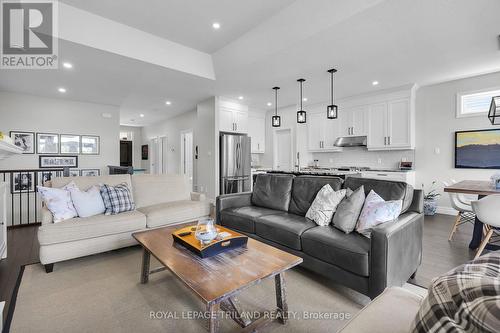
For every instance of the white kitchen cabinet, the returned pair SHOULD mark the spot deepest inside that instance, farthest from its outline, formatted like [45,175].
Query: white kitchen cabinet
[400,176]
[354,121]
[322,132]
[257,133]
[233,117]
[390,125]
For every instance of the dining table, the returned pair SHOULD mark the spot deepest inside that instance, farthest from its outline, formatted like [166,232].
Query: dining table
[482,189]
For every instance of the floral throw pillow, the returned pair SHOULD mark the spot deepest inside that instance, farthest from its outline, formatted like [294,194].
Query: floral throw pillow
[58,201]
[324,205]
[377,211]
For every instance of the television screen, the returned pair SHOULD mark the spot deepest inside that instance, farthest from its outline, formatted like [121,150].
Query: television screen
[477,149]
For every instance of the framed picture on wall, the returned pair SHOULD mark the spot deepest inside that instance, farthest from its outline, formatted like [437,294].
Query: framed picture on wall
[23,182]
[74,172]
[145,152]
[57,161]
[70,144]
[45,176]
[478,149]
[47,143]
[90,172]
[24,140]
[90,145]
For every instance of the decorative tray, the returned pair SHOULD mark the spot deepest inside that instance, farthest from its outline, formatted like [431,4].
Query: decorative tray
[230,240]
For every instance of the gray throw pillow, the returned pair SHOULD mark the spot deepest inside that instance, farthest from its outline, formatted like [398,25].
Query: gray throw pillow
[348,210]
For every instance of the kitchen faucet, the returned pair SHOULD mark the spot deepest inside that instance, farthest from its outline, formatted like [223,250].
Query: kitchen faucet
[297,166]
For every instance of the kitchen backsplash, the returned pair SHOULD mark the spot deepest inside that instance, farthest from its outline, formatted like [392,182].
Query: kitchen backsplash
[363,158]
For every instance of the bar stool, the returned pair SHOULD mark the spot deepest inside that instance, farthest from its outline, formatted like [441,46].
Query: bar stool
[465,213]
[487,211]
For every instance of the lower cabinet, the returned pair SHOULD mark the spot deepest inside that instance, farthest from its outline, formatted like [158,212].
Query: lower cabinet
[400,176]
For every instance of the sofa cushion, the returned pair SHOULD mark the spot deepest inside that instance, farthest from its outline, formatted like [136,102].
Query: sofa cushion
[284,228]
[388,190]
[304,190]
[350,252]
[90,227]
[348,210]
[156,189]
[243,218]
[272,191]
[175,212]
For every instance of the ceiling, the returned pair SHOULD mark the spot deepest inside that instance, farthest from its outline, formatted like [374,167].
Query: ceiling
[187,22]
[260,45]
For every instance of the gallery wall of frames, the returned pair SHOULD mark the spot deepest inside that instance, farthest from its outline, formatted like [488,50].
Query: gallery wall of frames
[54,151]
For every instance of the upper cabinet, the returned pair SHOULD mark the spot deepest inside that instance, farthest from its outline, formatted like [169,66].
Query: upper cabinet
[387,119]
[354,121]
[391,125]
[257,132]
[233,117]
[322,132]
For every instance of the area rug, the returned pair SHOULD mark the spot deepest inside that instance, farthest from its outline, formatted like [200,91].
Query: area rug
[102,293]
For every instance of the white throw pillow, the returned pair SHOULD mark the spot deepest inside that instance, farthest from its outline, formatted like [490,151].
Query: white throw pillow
[58,201]
[324,205]
[377,211]
[87,203]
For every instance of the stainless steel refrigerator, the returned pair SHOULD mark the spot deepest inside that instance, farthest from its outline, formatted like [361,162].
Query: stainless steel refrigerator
[235,170]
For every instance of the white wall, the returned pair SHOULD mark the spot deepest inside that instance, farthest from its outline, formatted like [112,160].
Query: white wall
[206,167]
[436,125]
[38,114]
[172,129]
[136,144]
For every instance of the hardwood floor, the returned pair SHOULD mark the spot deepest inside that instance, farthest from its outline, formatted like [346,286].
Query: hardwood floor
[439,255]
[22,249]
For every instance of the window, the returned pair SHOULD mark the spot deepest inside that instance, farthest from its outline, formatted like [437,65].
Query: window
[475,103]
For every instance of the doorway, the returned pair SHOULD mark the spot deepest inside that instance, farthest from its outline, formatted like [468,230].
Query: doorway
[186,167]
[283,149]
[125,153]
[158,160]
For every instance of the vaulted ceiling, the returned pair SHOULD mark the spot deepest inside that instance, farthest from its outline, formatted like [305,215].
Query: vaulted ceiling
[142,53]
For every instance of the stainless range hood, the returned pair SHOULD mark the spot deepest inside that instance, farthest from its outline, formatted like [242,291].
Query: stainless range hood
[351,141]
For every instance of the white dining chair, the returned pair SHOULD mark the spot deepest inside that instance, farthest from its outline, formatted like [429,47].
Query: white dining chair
[464,208]
[487,211]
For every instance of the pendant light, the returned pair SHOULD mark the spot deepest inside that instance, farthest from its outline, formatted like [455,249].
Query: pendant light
[494,113]
[276,120]
[332,109]
[301,114]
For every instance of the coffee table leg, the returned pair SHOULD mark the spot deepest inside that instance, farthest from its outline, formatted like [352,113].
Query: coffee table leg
[281,297]
[146,258]
[213,320]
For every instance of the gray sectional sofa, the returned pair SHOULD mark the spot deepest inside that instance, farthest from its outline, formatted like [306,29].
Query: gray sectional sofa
[275,214]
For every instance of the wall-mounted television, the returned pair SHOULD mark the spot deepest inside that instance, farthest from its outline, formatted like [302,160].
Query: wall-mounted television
[477,149]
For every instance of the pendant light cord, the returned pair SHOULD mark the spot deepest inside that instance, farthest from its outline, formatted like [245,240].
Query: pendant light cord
[332,89]
[275,102]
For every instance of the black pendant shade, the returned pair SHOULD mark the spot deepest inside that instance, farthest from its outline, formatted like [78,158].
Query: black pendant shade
[494,113]
[332,109]
[301,114]
[276,120]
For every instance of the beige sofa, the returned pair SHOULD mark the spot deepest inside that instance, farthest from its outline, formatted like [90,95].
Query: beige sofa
[393,311]
[160,201]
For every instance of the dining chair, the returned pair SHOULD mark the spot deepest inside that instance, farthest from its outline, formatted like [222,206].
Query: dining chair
[486,210]
[464,208]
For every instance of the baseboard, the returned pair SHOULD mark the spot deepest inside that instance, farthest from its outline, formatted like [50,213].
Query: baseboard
[446,210]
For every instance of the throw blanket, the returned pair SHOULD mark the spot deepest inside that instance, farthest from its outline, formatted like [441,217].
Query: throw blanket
[466,299]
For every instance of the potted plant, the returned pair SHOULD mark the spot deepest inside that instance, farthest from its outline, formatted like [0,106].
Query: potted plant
[430,200]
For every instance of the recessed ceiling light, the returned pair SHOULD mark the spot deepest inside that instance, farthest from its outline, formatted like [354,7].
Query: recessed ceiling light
[141,115]
[62,90]
[168,102]
[304,99]
[269,103]
[216,25]
[240,97]
[375,83]
[67,65]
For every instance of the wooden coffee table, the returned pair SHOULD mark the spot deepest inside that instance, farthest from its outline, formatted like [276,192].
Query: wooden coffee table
[217,280]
